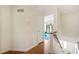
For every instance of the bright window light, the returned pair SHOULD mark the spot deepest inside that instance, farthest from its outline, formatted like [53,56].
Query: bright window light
[49,19]
[65,44]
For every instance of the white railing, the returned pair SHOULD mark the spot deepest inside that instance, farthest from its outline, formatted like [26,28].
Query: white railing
[57,40]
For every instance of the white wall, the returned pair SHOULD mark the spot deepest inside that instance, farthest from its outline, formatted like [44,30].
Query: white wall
[69,29]
[20,30]
[70,24]
[27,28]
[5,28]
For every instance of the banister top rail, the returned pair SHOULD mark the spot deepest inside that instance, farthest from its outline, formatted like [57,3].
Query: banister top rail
[55,36]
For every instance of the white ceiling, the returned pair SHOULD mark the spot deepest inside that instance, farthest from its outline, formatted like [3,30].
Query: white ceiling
[44,8]
[68,8]
[62,8]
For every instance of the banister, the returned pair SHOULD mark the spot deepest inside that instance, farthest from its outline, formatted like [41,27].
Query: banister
[55,36]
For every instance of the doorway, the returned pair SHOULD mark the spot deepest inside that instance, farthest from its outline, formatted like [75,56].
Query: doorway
[48,30]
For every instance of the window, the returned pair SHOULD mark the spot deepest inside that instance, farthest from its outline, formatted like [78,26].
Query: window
[48,23]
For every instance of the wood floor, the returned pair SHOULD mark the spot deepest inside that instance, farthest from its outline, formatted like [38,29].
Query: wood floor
[39,49]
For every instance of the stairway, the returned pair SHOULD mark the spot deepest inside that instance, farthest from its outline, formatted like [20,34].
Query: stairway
[39,49]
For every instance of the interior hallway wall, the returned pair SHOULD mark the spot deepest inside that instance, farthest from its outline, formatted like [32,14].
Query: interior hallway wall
[70,30]
[69,23]
[5,28]
[20,30]
[27,28]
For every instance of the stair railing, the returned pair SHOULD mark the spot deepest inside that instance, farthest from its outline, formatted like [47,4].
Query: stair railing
[56,38]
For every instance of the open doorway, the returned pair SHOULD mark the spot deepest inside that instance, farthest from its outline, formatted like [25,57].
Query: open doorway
[48,30]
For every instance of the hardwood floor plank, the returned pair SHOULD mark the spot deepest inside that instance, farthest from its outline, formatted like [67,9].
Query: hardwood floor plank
[39,49]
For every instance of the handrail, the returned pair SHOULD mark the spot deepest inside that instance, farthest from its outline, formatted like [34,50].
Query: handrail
[55,36]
